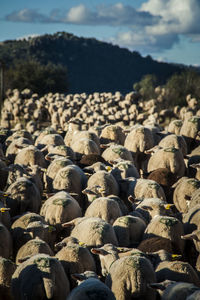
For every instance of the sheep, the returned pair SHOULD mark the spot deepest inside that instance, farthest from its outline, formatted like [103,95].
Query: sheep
[94,232]
[175,126]
[71,179]
[61,150]
[30,156]
[40,277]
[146,188]
[85,135]
[123,169]
[19,231]
[15,146]
[177,271]
[191,219]
[52,170]
[184,189]
[75,259]
[6,244]
[60,208]
[51,139]
[84,146]
[176,141]
[167,227]
[33,247]
[23,196]
[105,208]
[170,158]
[165,179]
[137,141]
[195,198]
[190,131]
[106,184]
[129,230]
[114,152]
[156,243]
[7,268]
[150,207]
[128,276]
[172,290]
[43,133]
[112,133]
[90,288]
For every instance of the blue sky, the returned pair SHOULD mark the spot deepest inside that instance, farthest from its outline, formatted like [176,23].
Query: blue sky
[168,30]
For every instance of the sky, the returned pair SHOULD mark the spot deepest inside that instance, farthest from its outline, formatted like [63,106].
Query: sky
[168,30]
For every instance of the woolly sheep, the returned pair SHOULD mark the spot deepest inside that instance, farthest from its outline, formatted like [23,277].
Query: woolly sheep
[7,268]
[112,133]
[181,291]
[90,288]
[23,196]
[92,231]
[184,189]
[84,146]
[53,169]
[60,208]
[175,126]
[176,141]
[15,146]
[167,227]
[129,276]
[51,139]
[146,188]
[33,247]
[30,156]
[40,277]
[105,208]
[106,183]
[129,230]
[75,259]
[114,152]
[170,158]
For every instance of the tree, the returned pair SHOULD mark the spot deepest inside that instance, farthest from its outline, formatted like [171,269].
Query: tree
[180,85]
[146,87]
[39,78]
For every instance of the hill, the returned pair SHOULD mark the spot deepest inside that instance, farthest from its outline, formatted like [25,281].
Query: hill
[92,65]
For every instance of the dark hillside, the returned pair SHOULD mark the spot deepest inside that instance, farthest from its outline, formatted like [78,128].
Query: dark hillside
[92,65]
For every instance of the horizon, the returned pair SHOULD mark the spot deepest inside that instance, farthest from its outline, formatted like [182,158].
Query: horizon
[166,30]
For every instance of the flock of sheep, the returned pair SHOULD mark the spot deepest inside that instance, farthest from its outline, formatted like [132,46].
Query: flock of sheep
[99,197]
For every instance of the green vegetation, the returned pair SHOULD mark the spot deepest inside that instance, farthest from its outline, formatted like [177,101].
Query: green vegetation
[146,87]
[39,78]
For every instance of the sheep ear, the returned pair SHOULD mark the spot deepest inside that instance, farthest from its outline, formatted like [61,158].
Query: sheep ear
[157,286]
[68,224]
[99,251]
[191,236]
[78,277]
[21,260]
[131,199]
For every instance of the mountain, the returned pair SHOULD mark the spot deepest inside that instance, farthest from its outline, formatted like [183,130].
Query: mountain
[92,65]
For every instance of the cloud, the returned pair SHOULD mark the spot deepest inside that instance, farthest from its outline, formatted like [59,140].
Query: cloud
[110,15]
[156,26]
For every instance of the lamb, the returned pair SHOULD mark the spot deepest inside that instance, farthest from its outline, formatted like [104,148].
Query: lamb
[184,189]
[40,277]
[167,227]
[170,158]
[90,288]
[75,259]
[94,232]
[129,230]
[105,208]
[106,183]
[23,196]
[60,208]
[128,276]
[33,247]
[6,244]
[7,268]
